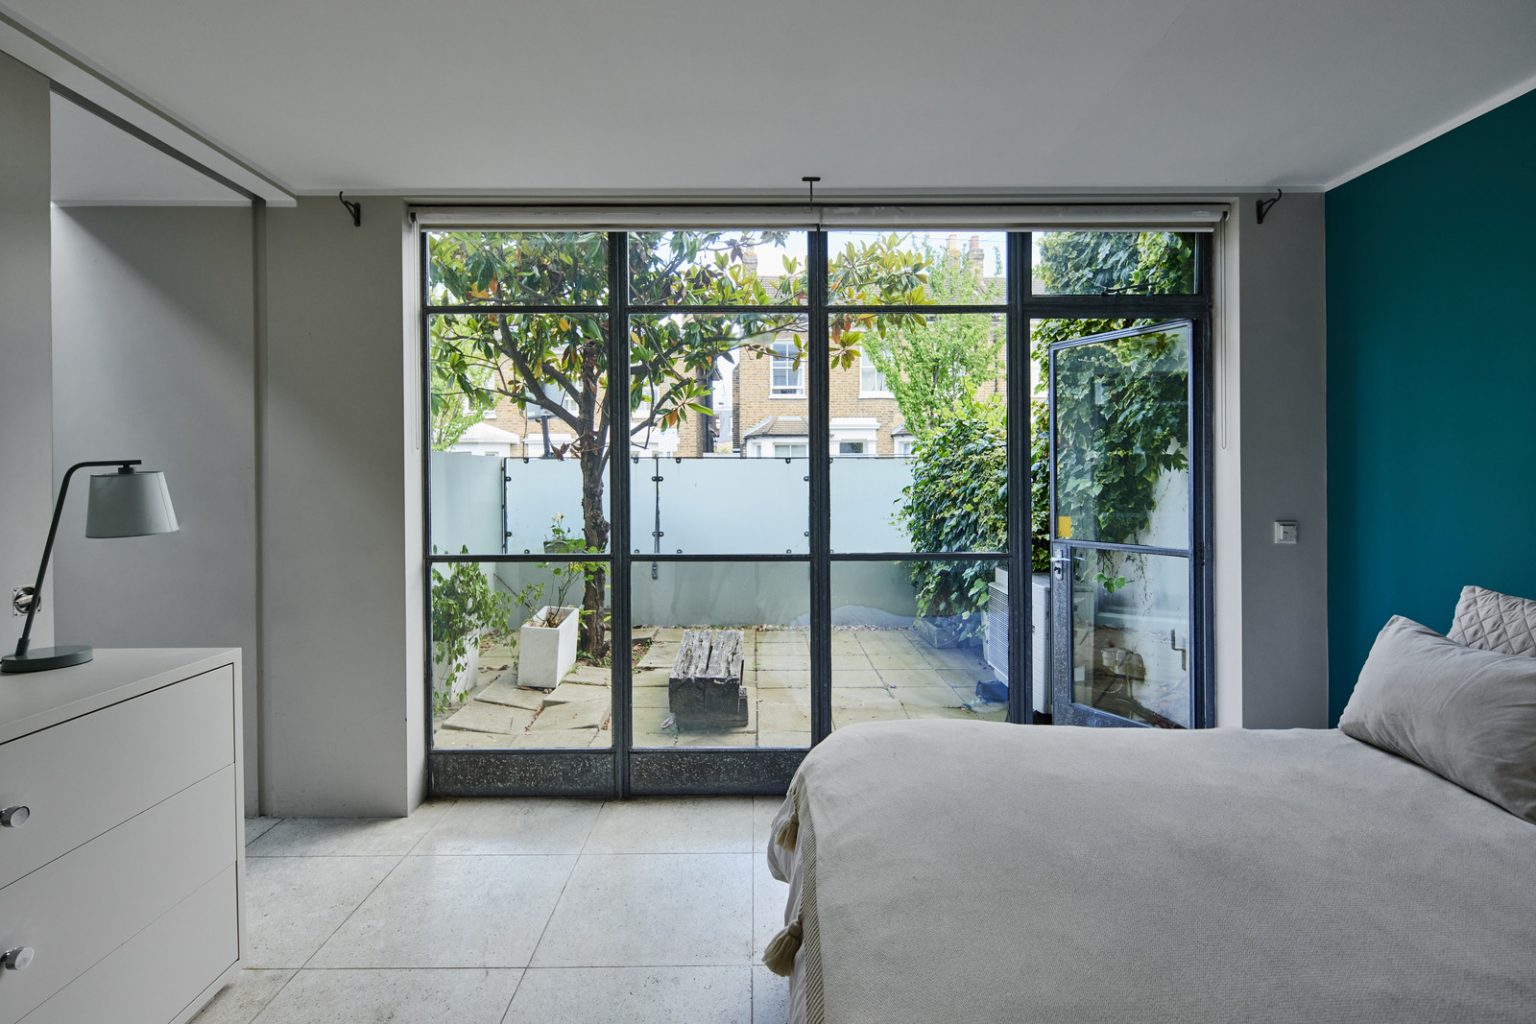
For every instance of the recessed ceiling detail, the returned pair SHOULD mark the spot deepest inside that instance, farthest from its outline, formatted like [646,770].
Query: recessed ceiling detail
[491,97]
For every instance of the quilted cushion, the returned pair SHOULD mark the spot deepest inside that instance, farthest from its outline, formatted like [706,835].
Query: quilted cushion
[1491,621]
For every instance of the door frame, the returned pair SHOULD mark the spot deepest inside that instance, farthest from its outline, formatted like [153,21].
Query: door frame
[1197,397]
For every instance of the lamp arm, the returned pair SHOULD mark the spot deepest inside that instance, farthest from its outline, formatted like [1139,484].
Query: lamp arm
[53,530]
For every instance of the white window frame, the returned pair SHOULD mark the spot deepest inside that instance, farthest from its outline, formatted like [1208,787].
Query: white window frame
[786,363]
[867,368]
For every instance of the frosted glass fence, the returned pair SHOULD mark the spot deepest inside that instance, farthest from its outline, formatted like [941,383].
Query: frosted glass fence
[698,506]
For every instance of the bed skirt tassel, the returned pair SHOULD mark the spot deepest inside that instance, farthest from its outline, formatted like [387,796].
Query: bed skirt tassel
[789,832]
[780,955]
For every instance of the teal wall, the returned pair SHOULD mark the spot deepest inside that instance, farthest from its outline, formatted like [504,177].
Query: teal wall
[1431,382]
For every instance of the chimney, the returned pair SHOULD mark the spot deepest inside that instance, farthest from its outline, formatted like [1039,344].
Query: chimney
[975,257]
[952,245]
[749,260]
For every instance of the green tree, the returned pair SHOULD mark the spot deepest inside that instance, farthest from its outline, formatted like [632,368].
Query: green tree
[932,363]
[454,410]
[558,362]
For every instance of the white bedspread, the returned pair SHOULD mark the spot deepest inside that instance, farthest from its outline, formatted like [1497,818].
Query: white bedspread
[971,872]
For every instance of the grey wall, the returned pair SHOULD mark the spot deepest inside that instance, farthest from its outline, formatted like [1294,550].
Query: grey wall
[1271,463]
[341,554]
[26,422]
[153,358]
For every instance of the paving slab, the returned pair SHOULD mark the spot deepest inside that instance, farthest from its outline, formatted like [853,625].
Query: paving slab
[513,696]
[570,693]
[590,675]
[459,739]
[582,714]
[778,717]
[855,678]
[478,717]
[561,739]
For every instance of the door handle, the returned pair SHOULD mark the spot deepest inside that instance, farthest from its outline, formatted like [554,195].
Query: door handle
[1059,565]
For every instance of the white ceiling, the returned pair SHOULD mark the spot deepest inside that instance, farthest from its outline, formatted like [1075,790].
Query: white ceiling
[95,162]
[503,96]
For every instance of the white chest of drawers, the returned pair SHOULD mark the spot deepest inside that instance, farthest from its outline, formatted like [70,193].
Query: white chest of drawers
[121,838]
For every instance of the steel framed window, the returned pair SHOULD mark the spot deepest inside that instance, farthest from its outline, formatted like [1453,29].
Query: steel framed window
[623,771]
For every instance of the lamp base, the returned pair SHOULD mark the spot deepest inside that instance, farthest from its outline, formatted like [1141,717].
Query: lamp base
[45,658]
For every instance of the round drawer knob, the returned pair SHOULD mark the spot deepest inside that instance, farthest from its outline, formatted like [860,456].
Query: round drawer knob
[14,817]
[18,959]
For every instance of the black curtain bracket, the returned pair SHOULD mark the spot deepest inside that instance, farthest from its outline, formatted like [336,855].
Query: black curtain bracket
[355,209]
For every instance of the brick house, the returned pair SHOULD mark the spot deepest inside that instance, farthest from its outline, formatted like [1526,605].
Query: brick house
[771,411]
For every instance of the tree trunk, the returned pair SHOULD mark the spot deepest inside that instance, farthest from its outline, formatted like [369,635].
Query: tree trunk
[595,530]
[594,462]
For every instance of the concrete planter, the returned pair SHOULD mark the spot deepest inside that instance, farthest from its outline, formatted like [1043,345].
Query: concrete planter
[450,687]
[546,653]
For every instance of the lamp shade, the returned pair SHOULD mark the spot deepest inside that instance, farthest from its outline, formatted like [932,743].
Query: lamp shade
[129,503]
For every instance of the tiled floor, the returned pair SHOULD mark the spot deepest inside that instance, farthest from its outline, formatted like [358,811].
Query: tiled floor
[501,911]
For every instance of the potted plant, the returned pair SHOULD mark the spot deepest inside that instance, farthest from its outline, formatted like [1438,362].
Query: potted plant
[549,636]
[465,606]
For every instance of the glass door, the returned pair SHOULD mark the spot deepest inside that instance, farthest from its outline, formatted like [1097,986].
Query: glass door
[1123,537]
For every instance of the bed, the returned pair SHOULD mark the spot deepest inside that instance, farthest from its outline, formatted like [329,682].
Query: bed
[974,872]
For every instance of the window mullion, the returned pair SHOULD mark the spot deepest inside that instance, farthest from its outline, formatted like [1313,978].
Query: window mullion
[819,415]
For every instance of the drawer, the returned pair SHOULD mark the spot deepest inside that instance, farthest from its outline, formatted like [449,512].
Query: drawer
[77,909]
[154,977]
[87,775]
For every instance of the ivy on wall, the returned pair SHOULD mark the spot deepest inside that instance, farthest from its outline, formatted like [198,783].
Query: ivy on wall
[1123,408]
[958,501]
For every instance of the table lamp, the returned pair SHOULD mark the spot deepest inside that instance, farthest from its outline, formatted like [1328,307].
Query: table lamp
[128,503]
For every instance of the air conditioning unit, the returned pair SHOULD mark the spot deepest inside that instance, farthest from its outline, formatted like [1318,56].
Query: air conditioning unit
[996,650]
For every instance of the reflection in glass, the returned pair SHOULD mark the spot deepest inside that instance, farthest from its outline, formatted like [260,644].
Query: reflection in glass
[529,389]
[1113,263]
[939,424]
[512,662]
[754,617]
[913,640]
[1122,439]
[1130,635]
[740,267]
[517,268]
[916,268]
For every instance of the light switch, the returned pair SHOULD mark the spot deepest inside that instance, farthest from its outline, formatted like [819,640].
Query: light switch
[1285,531]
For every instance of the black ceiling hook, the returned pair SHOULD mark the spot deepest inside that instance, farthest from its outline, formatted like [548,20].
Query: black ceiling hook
[810,184]
[356,210]
[1262,207]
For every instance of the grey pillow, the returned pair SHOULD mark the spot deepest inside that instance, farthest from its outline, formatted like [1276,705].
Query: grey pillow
[1491,621]
[1467,715]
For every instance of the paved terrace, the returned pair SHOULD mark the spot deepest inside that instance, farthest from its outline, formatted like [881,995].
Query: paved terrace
[877,675]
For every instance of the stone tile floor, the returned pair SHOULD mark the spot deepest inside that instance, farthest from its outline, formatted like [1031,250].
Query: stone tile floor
[512,911]
[877,674]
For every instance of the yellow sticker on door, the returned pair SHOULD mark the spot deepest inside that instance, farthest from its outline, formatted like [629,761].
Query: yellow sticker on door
[1063,527]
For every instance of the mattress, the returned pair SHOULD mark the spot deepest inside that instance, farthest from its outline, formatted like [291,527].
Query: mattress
[967,871]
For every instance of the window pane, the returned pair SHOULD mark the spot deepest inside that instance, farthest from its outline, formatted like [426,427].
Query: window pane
[529,389]
[1130,635]
[514,663]
[909,640]
[900,268]
[942,433]
[720,432]
[1113,263]
[1122,440]
[740,267]
[758,698]
[517,268]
